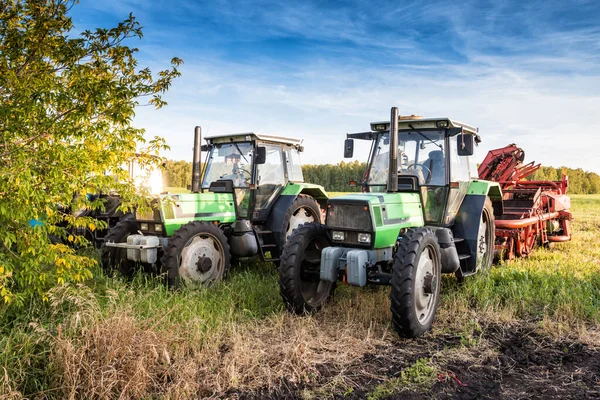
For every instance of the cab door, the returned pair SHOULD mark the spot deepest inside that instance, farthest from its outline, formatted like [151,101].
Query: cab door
[270,180]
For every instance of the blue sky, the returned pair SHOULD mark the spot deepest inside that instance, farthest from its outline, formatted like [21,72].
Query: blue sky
[524,72]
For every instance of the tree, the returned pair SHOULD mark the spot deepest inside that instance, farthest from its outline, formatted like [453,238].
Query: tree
[66,107]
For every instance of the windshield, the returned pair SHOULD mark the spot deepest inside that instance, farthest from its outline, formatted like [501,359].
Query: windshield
[419,153]
[229,161]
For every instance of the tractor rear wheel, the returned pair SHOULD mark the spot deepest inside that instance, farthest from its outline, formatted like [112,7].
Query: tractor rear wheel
[303,210]
[485,238]
[416,278]
[198,252]
[300,285]
[114,258]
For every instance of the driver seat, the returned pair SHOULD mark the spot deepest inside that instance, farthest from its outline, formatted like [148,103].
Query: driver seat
[437,167]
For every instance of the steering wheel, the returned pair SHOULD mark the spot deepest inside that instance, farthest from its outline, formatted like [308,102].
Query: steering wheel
[423,167]
[248,172]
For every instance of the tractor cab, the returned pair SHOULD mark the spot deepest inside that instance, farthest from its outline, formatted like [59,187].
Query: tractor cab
[434,157]
[255,167]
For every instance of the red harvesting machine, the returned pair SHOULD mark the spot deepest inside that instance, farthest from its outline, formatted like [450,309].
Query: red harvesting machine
[535,212]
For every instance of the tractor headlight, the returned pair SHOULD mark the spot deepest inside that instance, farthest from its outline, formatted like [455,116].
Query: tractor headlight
[144,226]
[364,238]
[337,235]
[158,228]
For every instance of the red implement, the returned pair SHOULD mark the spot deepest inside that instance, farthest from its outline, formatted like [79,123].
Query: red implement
[535,212]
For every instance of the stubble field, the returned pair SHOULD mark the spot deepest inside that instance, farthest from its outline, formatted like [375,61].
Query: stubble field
[528,329]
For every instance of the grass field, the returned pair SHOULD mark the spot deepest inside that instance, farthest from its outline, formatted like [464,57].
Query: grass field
[529,328]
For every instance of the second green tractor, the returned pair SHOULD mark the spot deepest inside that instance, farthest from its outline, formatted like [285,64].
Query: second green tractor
[423,212]
[245,202]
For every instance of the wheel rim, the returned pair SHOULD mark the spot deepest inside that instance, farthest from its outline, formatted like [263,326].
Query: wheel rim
[426,285]
[302,215]
[483,242]
[314,290]
[202,259]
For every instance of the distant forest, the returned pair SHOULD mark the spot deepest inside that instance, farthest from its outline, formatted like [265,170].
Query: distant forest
[335,178]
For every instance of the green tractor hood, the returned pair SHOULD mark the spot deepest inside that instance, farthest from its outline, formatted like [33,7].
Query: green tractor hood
[389,212]
[179,209]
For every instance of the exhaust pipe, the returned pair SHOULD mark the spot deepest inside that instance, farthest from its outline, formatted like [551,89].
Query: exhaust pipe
[196,160]
[393,164]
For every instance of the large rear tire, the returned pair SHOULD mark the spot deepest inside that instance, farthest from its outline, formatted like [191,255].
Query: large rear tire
[486,238]
[303,210]
[114,258]
[300,285]
[416,280]
[198,252]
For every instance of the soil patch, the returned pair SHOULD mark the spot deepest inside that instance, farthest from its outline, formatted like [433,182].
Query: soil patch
[513,362]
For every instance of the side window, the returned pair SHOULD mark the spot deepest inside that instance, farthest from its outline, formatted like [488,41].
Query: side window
[462,169]
[460,166]
[294,167]
[271,172]
[270,178]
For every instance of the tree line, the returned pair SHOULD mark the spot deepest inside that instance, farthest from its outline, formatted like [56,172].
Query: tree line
[580,181]
[336,177]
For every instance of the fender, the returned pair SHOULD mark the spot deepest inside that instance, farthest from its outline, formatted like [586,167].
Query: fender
[468,219]
[285,200]
[317,192]
[491,190]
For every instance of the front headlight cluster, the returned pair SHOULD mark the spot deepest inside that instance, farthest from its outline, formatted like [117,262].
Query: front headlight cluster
[340,236]
[144,226]
[364,238]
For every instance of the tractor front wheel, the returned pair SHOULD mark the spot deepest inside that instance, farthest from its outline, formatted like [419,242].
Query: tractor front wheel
[300,285]
[416,282]
[197,253]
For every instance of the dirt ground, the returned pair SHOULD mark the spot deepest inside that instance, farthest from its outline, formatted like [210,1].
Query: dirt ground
[503,362]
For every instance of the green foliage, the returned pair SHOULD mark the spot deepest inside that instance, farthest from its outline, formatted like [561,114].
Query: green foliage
[419,376]
[66,105]
[178,173]
[335,178]
[580,181]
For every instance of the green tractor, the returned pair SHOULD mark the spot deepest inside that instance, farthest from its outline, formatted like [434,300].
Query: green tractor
[423,212]
[246,202]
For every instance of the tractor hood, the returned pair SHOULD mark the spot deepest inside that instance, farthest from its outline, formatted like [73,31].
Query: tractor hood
[179,209]
[380,214]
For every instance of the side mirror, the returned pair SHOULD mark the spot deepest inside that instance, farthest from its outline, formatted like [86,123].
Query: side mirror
[205,147]
[260,157]
[348,148]
[465,144]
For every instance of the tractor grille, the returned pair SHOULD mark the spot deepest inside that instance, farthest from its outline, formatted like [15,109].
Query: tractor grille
[349,216]
[152,215]
[169,212]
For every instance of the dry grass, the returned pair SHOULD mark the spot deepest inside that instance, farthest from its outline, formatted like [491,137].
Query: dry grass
[112,340]
[114,354]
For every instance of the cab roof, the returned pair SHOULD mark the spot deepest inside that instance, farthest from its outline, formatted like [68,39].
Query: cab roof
[248,136]
[409,123]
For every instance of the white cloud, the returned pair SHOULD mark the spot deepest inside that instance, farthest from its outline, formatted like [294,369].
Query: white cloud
[510,69]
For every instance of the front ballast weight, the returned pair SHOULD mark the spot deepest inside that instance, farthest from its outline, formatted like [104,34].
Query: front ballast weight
[354,265]
[140,248]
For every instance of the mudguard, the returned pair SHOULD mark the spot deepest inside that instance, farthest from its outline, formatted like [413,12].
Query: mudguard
[468,219]
[285,200]
[317,192]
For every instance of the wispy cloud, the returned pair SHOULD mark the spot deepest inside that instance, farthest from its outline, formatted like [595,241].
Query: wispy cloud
[524,72]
